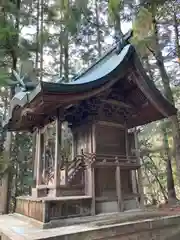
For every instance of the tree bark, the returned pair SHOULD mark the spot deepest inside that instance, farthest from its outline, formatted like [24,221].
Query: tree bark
[170,179]
[37,36]
[8,178]
[157,179]
[169,96]
[176,31]
[41,40]
[98,28]
[66,56]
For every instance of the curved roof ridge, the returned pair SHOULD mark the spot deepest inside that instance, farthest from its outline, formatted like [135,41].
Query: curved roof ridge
[126,38]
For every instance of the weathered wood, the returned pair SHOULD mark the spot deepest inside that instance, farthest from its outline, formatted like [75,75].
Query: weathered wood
[126,143]
[134,181]
[118,189]
[93,207]
[73,146]
[58,156]
[128,166]
[117,103]
[94,138]
[111,124]
[30,208]
[39,143]
[106,199]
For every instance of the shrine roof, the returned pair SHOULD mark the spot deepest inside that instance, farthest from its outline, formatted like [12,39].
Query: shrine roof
[95,76]
[117,65]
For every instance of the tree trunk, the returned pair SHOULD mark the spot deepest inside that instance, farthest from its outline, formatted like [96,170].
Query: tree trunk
[169,96]
[37,36]
[170,179]
[7,151]
[117,24]
[41,40]
[98,28]
[157,179]
[176,31]
[61,58]
[66,56]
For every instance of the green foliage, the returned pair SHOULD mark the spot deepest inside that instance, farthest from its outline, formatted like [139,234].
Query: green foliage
[143,32]
[4,77]
[142,26]
[114,8]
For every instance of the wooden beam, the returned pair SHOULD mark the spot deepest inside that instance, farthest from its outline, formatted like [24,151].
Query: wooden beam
[118,189]
[128,166]
[110,124]
[117,103]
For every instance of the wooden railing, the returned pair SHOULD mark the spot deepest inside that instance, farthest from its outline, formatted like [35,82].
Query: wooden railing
[109,158]
[72,168]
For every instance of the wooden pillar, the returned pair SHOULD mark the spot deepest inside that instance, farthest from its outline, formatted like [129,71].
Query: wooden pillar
[134,181]
[118,189]
[58,157]
[94,138]
[93,207]
[35,156]
[66,171]
[139,172]
[91,171]
[39,142]
[73,146]
[126,143]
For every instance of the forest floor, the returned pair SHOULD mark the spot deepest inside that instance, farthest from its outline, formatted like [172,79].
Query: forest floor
[167,208]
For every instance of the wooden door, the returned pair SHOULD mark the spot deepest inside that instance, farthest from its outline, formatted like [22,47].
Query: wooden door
[110,140]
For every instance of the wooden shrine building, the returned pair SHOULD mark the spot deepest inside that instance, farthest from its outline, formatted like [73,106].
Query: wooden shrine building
[103,106]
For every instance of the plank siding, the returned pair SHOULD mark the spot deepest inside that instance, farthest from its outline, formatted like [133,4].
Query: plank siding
[110,140]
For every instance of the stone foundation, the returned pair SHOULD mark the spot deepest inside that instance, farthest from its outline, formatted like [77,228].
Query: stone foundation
[108,227]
